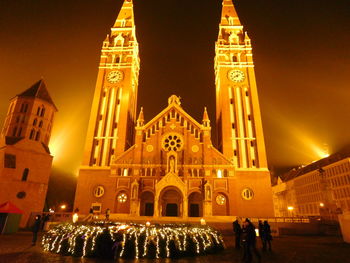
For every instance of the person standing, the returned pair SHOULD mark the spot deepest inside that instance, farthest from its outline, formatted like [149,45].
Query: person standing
[262,235]
[249,242]
[268,236]
[108,212]
[237,230]
[36,228]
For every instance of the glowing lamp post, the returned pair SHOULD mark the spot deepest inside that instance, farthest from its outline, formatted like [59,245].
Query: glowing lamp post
[203,223]
[321,204]
[290,209]
[63,207]
[148,223]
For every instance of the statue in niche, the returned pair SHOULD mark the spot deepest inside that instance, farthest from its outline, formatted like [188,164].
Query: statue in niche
[207,192]
[134,192]
[172,164]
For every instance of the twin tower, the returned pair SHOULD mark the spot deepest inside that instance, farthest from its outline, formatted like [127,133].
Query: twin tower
[168,167]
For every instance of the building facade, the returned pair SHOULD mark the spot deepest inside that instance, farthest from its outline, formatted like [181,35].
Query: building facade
[25,159]
[168,166]
[319,189]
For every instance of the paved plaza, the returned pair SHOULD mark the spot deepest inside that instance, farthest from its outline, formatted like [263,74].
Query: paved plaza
[17,249]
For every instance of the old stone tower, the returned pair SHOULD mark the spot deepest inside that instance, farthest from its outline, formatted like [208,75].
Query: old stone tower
[25,159]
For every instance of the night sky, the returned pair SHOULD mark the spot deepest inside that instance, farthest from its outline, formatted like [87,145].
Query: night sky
[301,53]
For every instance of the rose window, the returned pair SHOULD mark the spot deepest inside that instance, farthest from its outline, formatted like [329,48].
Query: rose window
[122,198]
[220,199]
[172,142]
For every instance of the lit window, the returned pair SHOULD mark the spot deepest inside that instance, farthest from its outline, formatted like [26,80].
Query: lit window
[247,194]
[99,191]
[122,198]
[220,199]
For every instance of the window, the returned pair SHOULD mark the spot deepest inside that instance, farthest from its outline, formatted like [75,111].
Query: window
[25,107]
[21,195]
[14,131]
[40,124]
[31,136]
[25,174]
[42,113]
[37,136]
[247,194]
[19,132]
[234,58]
[10,161]
[122,198]
[34,122]
[99,191]
[220,199]
[38,111]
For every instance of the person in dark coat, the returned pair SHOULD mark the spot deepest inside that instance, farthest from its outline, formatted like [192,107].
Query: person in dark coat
[108,212]
[237,230]
[36,228]
[262,235]
[267,233]
[249,242]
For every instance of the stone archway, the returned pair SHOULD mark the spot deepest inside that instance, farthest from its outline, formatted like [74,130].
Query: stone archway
[147,204]
[171,202]
[195,205]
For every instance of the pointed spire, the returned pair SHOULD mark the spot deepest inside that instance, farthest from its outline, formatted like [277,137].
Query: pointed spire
[229,15]
[38,90]
[126,15]
[141,119]
[205,121]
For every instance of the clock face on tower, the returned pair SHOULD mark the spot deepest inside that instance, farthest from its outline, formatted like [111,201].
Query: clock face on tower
[236,75]
[115,76]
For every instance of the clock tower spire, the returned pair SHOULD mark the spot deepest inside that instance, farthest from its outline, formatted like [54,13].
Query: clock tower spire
[113,112]
[237,107]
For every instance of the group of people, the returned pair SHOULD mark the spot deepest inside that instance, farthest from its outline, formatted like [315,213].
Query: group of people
[245,236]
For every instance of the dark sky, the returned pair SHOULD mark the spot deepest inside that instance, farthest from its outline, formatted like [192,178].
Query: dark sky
[301,53]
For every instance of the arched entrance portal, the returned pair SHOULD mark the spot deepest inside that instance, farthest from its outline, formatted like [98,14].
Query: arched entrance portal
[170,202]
[195,205]
[147,204]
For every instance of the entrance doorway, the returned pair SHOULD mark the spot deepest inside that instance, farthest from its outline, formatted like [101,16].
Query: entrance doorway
[171,210]
[147,204]
[170,202]
[194,210]
[195,205]
[149,208]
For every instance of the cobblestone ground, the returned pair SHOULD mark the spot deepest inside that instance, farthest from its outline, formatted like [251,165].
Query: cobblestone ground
[17,249]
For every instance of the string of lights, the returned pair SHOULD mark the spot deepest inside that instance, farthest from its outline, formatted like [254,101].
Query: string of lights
[122,240]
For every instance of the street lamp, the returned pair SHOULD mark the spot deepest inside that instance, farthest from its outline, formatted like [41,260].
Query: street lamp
[63,207]
[290,209]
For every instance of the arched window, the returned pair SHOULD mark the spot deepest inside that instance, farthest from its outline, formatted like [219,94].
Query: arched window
[31,136]
[234,58]
[42,112]
[40,124]
[38,111]
[34,122]
[37,136]
[14,131]
[25,174]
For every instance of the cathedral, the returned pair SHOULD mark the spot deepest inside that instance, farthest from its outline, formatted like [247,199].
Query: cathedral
[167,168]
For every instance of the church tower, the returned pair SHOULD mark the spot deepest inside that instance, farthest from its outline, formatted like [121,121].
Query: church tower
[25,158]
[238,116]
[113,113]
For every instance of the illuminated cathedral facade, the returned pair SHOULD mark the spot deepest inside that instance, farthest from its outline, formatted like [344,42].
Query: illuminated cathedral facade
[167,168]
